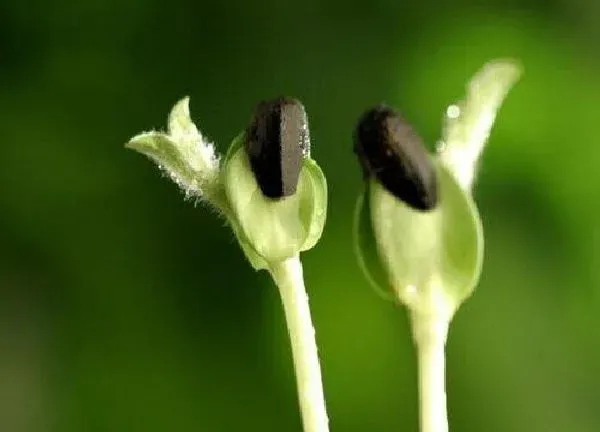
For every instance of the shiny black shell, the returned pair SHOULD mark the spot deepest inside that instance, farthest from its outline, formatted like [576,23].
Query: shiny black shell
[276,142]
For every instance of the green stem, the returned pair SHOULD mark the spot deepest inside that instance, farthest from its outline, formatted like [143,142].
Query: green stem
[288,277]
[430,333]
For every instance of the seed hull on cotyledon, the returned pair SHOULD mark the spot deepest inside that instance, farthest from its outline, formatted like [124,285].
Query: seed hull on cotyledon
[277,140]
[389,149]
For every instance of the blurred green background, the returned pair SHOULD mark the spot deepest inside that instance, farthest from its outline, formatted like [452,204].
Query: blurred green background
[125,308]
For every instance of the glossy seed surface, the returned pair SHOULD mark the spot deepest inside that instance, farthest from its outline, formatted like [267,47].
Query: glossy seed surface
[389,149]
[277,140]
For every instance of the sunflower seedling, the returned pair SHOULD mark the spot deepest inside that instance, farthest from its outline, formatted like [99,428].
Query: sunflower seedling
[418,234]
[274,197]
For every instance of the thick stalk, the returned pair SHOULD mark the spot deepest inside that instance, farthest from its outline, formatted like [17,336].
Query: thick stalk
[430,339]
[289,279]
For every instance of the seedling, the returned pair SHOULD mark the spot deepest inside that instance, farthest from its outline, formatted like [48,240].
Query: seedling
[274,197]
[418,234]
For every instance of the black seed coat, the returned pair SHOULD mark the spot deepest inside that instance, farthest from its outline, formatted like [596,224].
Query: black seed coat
[389,149]
[277,140]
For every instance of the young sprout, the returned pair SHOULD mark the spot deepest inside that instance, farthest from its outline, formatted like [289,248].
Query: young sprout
[418,234]
[274,197]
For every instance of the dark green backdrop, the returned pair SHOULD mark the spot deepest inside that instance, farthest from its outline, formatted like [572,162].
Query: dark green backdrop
[124,308]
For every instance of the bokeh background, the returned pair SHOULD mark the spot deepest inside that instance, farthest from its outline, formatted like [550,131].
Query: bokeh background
[125,308]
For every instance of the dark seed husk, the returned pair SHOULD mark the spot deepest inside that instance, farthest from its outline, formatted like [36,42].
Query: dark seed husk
[389,149]
[276,142]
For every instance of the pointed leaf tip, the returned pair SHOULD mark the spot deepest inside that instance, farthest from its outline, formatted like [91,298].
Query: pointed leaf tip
[180,122]
[467,124]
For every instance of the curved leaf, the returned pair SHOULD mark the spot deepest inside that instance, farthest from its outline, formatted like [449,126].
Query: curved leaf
[276,229]
[432,259]
[313,209]
[467,125]
[167,155]
[365,248]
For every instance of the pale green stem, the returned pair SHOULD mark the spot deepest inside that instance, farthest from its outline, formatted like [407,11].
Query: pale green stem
[289,279]
[430,333]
